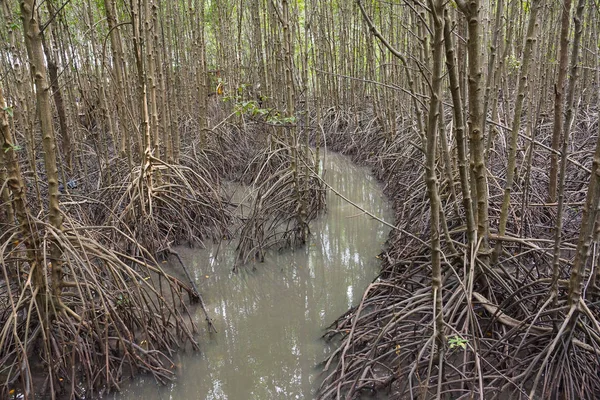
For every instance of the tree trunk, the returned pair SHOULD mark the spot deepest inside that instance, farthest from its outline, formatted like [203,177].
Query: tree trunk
[516,125]
[437,7]
[33,41]
[558,98]
[56,92]
[459,123]
[471,9]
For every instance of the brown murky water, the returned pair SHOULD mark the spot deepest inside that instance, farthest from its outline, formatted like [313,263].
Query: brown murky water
[270,321]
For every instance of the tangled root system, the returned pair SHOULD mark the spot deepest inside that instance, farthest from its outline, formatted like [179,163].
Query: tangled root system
[161,204]
[116,314]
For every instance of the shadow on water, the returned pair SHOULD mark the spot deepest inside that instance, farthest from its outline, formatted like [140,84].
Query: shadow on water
[270,321]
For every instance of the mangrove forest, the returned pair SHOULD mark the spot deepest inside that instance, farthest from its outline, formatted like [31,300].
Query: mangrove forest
[328,199]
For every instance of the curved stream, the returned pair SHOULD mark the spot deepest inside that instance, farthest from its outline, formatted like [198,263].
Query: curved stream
[270,321]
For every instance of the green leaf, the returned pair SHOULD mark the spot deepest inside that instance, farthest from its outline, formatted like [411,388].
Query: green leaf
[8,110]
[13,147]
[457,341]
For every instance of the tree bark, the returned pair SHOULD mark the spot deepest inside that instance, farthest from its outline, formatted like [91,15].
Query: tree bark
[471,9]
[516,125]
[33,42]
[558,98]
[437,7]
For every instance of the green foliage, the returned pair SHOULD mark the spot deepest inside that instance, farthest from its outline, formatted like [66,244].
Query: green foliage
[245,107]
[8,110]
[513,63]
[122,300]
[249,108]
[278,120]
[13,147]
[100,6]
[456,342]
[243,87]
[252,108]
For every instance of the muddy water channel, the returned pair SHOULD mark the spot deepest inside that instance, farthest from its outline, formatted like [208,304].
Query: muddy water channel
[270,320]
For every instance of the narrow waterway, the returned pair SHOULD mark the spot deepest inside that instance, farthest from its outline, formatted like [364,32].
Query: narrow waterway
[270,320]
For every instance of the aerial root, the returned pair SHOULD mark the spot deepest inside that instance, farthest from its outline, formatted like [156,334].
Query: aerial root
[514,344]
[283,200]
[161,205]
[103,326]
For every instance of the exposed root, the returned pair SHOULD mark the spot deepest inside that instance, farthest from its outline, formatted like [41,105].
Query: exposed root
[116,315]
[163,205]
[507,333]
[275,209]
[515,344]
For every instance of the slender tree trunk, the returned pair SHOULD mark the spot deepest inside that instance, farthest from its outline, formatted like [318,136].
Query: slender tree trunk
[201,73]
[290,111]
[119,70]
[433,118]
[16,184]
[516,125]
[447,159]
[7,215]
[595,279]
[588,218]
[490,70]
[161,58]
[33,41]
[459,123]
[56,91]
[471,9]
[149,52]
[558,98]
[257,48]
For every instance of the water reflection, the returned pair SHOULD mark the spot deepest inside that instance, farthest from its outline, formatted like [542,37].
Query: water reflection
[270,321]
